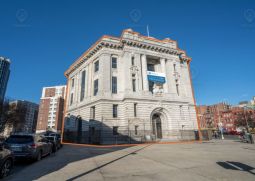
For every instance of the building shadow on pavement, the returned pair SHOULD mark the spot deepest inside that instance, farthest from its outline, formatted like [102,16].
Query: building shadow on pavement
[27,170]
[76,130]
[237,166]
[101,166]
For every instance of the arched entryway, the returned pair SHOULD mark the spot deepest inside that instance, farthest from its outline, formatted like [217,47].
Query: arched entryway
[159,119]
[156,126]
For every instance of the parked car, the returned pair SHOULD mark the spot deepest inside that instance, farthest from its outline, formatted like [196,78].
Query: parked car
[55,142]
[28,146]
[233,132]
[6,161]
[58,138]
[2,139]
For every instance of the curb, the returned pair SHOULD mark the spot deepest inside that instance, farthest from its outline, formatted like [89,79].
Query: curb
[129,145]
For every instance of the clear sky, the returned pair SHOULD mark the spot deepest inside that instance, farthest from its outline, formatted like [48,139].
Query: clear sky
[43,38]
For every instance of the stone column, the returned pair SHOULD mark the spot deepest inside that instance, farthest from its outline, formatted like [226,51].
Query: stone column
[76,88]
[105,74]
[170,76]
[89,83]
[163,70]
[144,73]
[127,73]
[139,73]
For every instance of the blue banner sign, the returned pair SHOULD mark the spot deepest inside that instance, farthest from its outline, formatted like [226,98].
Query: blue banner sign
[156,77]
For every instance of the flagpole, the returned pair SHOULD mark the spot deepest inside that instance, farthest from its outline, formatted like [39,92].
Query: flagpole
[148,33]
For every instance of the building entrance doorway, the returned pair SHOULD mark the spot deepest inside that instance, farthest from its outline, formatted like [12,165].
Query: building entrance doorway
[156,126]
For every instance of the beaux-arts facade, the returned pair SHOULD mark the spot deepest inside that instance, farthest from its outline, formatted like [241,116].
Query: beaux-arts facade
[130,89]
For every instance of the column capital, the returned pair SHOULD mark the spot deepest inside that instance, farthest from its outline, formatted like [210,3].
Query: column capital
[143,55]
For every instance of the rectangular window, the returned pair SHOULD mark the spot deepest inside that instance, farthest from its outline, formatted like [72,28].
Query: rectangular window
[114,85]
[177,88]
[115,110]
[114,62]
[83,77]
[71,100]
[150,67]
[151,85]
[134,85]
[115,130]
[135,107]
[174,67]
[96,66]
[68,122]
[181,113]
[136,129]
[133,61]
[72,82]
[95,87]
[92,112]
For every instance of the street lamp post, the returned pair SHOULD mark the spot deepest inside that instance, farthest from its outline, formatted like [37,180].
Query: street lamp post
[245,118]
[220,126]
[182,132]
[221,130]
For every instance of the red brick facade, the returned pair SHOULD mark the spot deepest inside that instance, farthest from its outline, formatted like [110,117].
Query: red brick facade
[51,109]
[50,92]
[230,117]
[42,121]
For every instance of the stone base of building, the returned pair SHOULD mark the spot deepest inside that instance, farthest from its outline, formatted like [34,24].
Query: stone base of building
[127,137]
[137,121]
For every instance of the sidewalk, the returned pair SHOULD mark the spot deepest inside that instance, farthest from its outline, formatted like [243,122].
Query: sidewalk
[197,161]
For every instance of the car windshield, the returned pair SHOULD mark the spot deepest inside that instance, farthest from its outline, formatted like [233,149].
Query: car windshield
[51,138]
[56,135]
[19,139]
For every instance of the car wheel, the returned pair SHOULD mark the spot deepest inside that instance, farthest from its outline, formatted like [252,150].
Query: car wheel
[50,151]
[39,156]
[6,168]
[54,148]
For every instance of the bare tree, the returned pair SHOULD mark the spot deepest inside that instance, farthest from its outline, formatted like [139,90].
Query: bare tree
[241,119]
[12,114]
[4,109]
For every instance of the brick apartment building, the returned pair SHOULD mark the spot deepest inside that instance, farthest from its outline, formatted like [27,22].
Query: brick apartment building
[210,116]
[240,115]
[231,117]
[51,109]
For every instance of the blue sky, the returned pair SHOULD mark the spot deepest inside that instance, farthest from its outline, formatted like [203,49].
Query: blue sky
[43,38]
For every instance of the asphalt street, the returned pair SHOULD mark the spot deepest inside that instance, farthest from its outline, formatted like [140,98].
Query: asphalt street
[212,160]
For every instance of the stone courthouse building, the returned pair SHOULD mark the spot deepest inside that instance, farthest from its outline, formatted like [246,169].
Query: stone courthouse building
[128,89]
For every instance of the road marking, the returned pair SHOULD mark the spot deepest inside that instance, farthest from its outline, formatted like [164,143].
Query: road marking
[239,168]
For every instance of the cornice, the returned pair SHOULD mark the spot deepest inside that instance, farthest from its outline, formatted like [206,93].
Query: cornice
[131,39]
